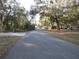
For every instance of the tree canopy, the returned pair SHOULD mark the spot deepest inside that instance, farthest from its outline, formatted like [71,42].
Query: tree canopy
[13,16]
[63,13]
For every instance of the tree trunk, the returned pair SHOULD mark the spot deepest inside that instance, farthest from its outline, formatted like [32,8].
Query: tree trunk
[57,22]
[1,22]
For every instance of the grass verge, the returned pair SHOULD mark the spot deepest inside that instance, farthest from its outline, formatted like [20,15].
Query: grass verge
[5,43]
[72,37]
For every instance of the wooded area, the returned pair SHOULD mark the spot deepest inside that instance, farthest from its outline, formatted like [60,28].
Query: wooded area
[13,16]
[58,14]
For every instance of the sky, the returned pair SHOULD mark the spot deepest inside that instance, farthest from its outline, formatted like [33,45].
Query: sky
[26,3]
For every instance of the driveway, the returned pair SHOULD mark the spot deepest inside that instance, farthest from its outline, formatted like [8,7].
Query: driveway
[40,45]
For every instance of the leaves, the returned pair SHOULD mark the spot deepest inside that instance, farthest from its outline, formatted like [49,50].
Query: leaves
[61,12]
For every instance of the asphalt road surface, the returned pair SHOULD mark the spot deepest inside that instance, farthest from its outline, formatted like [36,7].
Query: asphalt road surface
[39,45]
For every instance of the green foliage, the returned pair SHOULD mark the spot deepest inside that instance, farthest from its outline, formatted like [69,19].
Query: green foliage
[14,17]
[60,16]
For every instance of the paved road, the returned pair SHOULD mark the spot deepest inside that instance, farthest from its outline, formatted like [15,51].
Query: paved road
[39,45]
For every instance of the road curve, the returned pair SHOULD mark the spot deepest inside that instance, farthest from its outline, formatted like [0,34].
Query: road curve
[39,45]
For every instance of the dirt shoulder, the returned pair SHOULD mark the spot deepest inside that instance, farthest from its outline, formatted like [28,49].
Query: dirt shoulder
[5,43]
[70,36]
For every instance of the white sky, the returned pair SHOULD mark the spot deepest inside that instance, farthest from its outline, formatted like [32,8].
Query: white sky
[26,3]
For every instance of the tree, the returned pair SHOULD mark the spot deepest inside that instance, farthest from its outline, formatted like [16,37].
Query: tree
[13,16]
[57,9]
[51,9]
[2,12]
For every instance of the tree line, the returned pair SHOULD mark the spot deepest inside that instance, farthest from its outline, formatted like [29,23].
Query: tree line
[13,16]
[58,14]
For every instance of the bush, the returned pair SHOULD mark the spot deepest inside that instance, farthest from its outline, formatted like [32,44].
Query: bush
[31,27]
